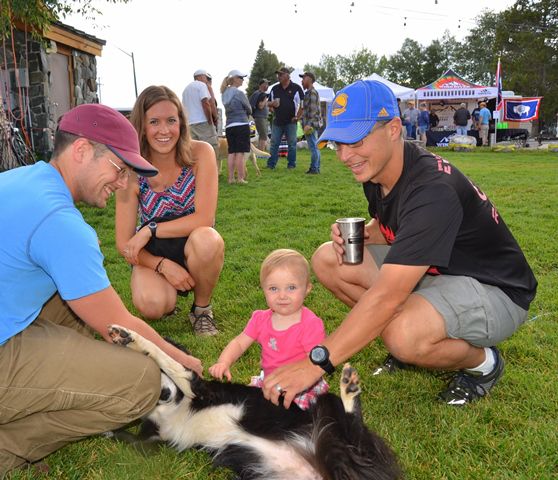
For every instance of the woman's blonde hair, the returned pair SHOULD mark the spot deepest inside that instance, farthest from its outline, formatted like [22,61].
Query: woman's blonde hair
[226,83]
[149,97]
[284,257]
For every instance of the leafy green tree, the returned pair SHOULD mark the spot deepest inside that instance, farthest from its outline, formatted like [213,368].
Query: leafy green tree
[338,71]
[265,65]
[527,39]
[406,65]
[359,64]
[477,55]
[39,14]
[439,56]
[326,71]
[383,64]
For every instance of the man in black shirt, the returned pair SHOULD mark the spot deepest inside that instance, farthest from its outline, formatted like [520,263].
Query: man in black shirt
[286,104]
[461,118]
[443,280]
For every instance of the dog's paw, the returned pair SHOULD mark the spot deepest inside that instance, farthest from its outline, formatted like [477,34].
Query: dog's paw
[120,335]
[350,382]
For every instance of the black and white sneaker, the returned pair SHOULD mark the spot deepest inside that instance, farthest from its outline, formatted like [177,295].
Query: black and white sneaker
[391,365]
[466,386]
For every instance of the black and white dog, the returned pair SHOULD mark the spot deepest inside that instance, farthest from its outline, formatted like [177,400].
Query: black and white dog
[256,439]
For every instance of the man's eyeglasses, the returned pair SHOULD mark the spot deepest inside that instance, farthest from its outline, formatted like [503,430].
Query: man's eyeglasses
[123,173]
[337,145]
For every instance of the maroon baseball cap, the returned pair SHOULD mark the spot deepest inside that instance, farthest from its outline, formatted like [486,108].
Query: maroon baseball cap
[105,125]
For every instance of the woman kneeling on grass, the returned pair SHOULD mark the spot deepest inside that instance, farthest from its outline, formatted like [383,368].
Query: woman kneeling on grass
[175,249]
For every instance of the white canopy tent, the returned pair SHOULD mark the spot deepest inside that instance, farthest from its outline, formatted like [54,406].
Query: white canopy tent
[326,93]
[404,93]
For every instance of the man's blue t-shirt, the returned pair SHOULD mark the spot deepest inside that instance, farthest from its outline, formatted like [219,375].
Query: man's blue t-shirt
[46,247]
[484,116]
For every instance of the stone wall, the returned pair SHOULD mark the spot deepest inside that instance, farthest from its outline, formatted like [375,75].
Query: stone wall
[85,78]
[33,62]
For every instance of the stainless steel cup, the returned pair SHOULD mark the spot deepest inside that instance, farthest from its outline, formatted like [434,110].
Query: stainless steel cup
[352,232]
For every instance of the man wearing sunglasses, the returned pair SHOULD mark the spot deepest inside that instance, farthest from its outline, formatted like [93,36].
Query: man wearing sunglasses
[57,382]
[443,281]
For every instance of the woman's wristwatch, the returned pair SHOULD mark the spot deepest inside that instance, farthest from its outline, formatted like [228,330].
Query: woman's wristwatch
[153,227]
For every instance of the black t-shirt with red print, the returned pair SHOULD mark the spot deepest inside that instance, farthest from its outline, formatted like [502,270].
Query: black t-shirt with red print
[436,216]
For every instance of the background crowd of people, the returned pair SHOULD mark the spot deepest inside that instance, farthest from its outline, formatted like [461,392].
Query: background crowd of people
[418,121]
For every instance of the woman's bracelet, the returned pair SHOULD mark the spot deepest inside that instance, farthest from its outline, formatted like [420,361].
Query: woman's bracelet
[158,267]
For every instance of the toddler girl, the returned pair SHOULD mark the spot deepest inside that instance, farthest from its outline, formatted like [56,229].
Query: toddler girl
[287,330]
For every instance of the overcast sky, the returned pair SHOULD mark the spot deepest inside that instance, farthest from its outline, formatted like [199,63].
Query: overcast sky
[170,39]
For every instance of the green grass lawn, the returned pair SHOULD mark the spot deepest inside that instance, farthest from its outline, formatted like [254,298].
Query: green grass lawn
[512,434]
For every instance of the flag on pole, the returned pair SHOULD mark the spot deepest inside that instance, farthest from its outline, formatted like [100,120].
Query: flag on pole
[522,110]
[499,103]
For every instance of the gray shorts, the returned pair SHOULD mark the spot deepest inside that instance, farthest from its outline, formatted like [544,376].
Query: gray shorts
[482,315]
[262,126]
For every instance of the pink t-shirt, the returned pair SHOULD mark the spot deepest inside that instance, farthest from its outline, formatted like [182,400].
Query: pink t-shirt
[280,347]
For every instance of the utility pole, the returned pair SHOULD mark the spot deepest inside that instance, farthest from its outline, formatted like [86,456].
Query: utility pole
[131,55]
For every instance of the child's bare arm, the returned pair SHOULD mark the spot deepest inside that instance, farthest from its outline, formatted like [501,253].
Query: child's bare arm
[230,354]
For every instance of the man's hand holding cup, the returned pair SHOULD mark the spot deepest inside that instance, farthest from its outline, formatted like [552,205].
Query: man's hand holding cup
[347,235]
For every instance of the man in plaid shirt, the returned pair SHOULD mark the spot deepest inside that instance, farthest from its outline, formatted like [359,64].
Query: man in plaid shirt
[311,120]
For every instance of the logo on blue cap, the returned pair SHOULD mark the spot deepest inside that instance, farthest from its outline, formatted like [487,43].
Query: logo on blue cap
[339,104]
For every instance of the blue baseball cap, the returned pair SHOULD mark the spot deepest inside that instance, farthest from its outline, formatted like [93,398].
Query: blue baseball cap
[355,109]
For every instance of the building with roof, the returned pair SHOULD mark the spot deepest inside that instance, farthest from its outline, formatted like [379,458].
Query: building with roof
[40,81]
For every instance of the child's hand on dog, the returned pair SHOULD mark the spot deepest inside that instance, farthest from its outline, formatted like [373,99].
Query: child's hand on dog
[220,369]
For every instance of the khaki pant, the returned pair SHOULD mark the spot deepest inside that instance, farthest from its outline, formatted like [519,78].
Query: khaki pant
[206,133]
[484,134]
[58,384]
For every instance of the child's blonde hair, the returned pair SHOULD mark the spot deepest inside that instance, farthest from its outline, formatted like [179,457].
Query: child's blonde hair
[284,257]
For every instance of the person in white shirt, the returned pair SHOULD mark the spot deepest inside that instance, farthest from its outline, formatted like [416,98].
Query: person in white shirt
[199,102]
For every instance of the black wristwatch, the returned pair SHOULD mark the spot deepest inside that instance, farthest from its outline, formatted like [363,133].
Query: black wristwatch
[319,356]
[153,227]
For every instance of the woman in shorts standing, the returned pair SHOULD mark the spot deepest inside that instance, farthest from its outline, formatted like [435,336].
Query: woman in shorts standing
[175,249]
[237,128]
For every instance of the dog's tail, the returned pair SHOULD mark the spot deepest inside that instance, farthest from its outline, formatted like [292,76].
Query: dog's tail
[345,448]
[259,153]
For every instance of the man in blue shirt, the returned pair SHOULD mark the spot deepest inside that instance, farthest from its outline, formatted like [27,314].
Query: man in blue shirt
[57,382]
[484,122]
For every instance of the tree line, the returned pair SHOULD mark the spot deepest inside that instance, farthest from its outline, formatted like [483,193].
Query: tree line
[524,37]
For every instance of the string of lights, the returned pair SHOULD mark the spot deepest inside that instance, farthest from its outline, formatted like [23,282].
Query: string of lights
[409,15]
